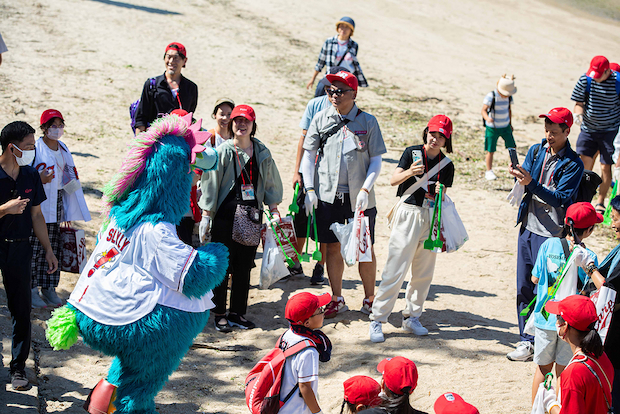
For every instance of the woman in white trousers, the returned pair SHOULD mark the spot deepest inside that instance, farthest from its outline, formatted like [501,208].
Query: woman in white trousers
[419,169]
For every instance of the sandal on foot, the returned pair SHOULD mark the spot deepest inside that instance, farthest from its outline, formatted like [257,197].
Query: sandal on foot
[221,324]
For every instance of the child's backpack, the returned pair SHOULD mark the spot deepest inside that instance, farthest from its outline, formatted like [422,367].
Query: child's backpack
[263,383]
[589,85]
[491,109]
[133,108]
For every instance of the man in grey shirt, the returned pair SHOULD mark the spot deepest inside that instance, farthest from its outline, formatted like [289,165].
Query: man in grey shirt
[349,145]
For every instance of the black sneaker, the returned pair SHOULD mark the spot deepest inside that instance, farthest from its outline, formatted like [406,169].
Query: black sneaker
[317,275]
[19,382]
[295,270]
[222,327]
[240,321]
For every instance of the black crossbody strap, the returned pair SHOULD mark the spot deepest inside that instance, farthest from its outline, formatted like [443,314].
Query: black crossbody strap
[345,54]
[325,136]
[599,383]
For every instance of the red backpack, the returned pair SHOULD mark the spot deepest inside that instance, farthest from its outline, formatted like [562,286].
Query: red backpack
[263,383]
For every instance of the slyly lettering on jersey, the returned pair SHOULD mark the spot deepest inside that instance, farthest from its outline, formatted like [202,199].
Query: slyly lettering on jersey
[116,237]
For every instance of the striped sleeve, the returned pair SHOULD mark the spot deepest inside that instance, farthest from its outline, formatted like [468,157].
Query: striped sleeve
[579,93]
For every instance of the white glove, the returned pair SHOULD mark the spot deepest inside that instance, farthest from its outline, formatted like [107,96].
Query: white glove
[578,119]
[582,257]
[550,399]
[310,202]
[362,200]
[516,194]
[205,228]
[616,174]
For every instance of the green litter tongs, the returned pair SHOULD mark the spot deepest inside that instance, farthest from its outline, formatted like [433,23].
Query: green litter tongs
[429,243]
[294,207]
[305,257]
[289,261]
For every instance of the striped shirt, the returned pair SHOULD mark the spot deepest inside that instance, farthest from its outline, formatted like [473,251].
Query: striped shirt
[602,109]
[501,112]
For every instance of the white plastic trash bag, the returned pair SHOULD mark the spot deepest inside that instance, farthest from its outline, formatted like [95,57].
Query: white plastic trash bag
[604,299]
[539,402]
[273,267]
[354,238]
[453,230]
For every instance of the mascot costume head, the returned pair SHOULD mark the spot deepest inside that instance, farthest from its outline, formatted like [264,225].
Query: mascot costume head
[144,295]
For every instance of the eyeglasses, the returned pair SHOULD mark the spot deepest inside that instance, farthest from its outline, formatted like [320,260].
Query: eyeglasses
[337,92]
[319,311]
[172,57]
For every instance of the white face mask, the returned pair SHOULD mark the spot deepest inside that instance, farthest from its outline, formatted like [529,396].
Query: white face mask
[55,133]
[26,158]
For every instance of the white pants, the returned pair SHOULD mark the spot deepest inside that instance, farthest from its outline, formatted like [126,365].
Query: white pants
[406,249]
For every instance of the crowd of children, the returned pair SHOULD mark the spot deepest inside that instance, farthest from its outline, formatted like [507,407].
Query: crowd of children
[337,136]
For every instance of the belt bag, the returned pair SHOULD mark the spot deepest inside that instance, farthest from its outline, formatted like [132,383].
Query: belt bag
[417,185]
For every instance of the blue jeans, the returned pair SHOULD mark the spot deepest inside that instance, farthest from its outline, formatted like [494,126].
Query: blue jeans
[527,252]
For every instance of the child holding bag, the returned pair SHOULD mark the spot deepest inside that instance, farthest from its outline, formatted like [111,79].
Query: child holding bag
[419,169]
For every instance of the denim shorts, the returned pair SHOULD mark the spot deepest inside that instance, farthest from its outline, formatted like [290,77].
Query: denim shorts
[549,348]
[589,143]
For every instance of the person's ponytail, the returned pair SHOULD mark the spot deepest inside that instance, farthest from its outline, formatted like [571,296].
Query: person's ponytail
[397,404]
[591,343]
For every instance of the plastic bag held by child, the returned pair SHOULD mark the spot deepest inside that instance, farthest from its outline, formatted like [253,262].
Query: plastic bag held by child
[273,268]
[453,229]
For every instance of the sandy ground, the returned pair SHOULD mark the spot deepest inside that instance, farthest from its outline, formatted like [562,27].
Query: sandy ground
[89,59]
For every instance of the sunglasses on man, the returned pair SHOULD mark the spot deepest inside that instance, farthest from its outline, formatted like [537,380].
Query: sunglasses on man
[337,92]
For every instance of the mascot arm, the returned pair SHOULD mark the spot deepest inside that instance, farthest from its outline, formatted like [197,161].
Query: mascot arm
[207,270]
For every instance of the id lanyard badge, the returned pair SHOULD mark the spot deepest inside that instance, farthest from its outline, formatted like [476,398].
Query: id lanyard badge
[247,192]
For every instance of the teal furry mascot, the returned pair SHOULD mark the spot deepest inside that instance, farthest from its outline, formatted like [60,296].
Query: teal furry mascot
[144,295]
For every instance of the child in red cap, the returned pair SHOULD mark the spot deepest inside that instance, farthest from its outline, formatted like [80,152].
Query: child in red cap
[360,392]
[419,169]
[305,313]
[452,403]
[553,255]
[400,377]
[585,384]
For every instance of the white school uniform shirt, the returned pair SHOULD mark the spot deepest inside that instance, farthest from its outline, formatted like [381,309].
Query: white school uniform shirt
[130,272]
[73,205]
[302,367]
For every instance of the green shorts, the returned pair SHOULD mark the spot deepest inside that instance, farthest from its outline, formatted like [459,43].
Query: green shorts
[491,136]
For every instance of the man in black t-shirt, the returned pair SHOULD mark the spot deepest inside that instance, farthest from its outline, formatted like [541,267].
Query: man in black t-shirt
[21,193]
[164,93]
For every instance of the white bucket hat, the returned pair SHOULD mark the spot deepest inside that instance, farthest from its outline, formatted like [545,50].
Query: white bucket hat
[506,86]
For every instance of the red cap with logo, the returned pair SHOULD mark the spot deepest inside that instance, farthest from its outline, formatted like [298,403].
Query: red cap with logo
[440,123]
[302,306]
[178,47]
[361,389]
[452,403]
[179,112]
[579,311]
[598,66]
[49,114]
[245,111]
[559,116]
[399,373]
[344,77]
[615,67]
[583,215]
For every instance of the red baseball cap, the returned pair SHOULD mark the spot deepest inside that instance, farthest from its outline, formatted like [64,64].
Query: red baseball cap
[579,311]
[344,77]
[559,116]
[302,306]
[583,215]
[179,112]
[399,373]
[598,66]
[245,111]
[178,47]
[452,403]
[361,389]
[49,114]
[614,66]
[440,123]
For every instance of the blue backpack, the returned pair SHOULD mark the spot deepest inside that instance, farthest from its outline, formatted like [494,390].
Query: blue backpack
[133,108]
[589,84]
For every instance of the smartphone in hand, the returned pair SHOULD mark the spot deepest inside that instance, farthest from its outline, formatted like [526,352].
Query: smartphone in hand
[513,157]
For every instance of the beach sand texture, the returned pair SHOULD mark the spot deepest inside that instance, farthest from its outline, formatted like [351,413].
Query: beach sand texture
[89,59]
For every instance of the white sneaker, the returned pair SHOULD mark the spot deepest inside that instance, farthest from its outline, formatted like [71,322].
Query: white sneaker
[524,352]
[376,332]
[366,307]
[37,302]
[490,175]
[414,326]
[50,296]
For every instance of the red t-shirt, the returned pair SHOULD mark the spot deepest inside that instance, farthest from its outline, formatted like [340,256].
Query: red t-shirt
[580,390]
